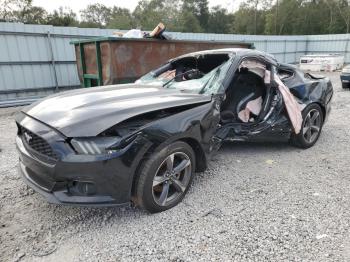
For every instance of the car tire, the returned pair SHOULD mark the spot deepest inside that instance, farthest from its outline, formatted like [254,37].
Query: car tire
[311,127]
[345,85]
[164,179]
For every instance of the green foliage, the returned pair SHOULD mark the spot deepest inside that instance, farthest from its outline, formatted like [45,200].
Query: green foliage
[253,16]
[121,18]
[293,17]
[21,11]
[199,9]
[249,20]
[31,15]
[189,23]
[62,17]
[98,15]
[149,13]
[220,21]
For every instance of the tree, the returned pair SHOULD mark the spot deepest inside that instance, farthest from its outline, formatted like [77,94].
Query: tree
[96,15]
[149,13]
[344,11]
[287,13]
[189,23]
[22,11]
[220,21]
[32,15]
[121,18]
[6,9]
[200,9]
[249,20]
[62,17]
[253,16]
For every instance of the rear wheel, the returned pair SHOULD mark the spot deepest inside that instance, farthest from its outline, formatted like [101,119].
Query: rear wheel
[165,178]
[311,127]
[345,85]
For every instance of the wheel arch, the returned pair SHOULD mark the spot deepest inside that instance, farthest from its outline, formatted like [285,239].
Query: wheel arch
[200,157]
[323,108]
[321,105]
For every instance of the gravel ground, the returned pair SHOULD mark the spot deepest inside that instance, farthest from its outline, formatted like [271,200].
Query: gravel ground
[255,202]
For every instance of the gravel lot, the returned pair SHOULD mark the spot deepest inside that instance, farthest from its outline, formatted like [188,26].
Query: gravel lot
[256,202]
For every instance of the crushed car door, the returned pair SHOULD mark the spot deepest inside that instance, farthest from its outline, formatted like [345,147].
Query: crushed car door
[253,101]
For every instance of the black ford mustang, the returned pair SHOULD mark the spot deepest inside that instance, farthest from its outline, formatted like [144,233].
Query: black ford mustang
[143,142]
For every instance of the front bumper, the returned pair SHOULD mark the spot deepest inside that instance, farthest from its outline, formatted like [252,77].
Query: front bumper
[82,180]
[63,196]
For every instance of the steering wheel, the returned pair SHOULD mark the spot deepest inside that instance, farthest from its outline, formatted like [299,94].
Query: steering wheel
[193,74]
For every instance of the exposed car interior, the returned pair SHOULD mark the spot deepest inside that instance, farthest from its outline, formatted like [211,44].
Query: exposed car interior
[246,95]
[190,67]
[249,100]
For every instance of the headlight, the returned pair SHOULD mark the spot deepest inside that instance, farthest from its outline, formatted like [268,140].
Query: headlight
[94,145]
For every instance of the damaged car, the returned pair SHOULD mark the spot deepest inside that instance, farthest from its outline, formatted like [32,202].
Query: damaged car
[345,77]
[143,142]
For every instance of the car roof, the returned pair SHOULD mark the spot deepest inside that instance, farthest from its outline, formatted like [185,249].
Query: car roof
[237,51]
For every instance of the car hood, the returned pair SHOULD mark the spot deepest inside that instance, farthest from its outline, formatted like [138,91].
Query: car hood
[88,112]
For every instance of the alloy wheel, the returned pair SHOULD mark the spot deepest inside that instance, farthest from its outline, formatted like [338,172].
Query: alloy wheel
[312,125]
[172,178]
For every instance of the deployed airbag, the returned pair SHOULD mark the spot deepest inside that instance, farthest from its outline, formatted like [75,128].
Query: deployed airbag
[292,106]
[253,106]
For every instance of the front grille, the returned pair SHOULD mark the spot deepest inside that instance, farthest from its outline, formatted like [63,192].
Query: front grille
[37,143]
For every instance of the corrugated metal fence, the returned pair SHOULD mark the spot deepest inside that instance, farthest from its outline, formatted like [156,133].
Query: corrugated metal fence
[38,60]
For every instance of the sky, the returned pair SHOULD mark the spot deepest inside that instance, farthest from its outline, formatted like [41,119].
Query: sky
[77,5]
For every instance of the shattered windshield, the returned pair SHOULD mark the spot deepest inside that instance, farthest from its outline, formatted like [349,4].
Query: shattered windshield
[202,74]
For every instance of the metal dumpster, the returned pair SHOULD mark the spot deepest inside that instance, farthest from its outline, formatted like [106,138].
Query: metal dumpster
[111,60]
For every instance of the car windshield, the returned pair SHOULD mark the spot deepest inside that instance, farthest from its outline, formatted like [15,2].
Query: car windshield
[202,74]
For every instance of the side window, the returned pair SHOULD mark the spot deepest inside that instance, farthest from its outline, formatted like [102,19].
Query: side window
[284,74]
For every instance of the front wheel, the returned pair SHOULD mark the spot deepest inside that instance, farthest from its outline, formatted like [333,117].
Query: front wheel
[165,178]
[311,127]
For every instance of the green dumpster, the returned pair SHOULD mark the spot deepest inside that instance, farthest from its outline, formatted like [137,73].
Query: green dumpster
[115,60]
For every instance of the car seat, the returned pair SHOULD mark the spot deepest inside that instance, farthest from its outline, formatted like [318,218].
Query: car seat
[245,87]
